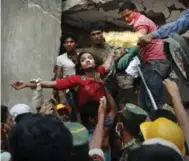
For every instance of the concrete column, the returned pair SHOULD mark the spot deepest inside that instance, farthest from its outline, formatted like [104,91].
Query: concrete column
[30,43]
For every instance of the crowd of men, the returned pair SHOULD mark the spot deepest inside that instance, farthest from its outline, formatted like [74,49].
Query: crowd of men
[100,108]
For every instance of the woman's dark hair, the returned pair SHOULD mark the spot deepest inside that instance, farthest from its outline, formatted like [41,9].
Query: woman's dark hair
[78,69]
[4,112]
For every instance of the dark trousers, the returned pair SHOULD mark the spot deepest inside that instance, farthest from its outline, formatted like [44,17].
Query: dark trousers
[154,83]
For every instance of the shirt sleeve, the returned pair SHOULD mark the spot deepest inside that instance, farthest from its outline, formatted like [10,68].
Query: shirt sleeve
[101,70]
[67,82]
[142,26]
[179,26]
[58,62]
[97,155]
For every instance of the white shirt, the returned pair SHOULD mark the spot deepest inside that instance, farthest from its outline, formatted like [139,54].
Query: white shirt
[132,67]
[67,64]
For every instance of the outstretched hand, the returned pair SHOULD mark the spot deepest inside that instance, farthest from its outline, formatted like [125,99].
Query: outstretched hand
[18,85]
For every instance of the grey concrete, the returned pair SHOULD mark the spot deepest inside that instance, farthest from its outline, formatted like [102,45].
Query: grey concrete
[30,44]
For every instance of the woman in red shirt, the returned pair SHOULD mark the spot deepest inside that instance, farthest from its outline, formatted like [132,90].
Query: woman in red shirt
[89,85]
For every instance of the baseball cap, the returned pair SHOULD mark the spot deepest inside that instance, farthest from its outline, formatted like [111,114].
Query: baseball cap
[134,113]
[19,109]
[165,129]
[61,106]
[79,133]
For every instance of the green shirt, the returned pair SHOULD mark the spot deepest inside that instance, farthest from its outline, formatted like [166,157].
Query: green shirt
[134,143]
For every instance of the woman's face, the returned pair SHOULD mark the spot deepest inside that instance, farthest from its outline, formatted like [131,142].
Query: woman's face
[69,44]
[87,61]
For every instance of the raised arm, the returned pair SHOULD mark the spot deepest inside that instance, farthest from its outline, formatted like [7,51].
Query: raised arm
[180,112]
[179,26]
[97,138]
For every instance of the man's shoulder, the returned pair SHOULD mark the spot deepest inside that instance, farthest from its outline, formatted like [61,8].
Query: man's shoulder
[64,55]
[144,20]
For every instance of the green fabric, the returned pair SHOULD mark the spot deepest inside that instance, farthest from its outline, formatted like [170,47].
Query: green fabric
[125,60]
[79,133]
[127,147]
[134,113]
[131,144]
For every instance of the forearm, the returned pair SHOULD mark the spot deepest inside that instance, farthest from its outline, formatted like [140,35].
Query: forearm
[98,135]
[44,84]
[108,63]
[181,114]
[179,26]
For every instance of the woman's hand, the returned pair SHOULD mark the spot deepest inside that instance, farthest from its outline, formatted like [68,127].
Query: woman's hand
[19,85]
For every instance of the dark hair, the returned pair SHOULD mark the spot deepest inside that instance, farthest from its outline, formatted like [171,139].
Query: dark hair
[63,39]
[162,113]
[21,117]
[68,35]
[155,152]
[78,69]
[40,138]
[130,126]
[4,113]
[96,26]
[127,5]
[89,110]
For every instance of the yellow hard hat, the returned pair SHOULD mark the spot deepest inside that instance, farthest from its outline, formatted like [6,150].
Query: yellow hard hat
[165,129]
[61,106]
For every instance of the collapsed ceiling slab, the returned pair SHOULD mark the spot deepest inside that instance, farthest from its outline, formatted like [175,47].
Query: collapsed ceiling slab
[79,13]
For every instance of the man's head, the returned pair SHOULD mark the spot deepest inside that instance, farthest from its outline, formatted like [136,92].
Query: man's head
[6,118]
[155,150]
[20,111]
[96,34]
[128,12]
[40,138]
[80,141]
[64,112]
[129,122]
[89,114]
[69,42]
[6,126]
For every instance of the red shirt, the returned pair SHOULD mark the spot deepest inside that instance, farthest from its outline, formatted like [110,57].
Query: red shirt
[153,50]
[88,89]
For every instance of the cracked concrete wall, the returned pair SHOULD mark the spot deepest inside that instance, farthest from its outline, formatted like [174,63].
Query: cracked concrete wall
[30,44]
[170,8]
